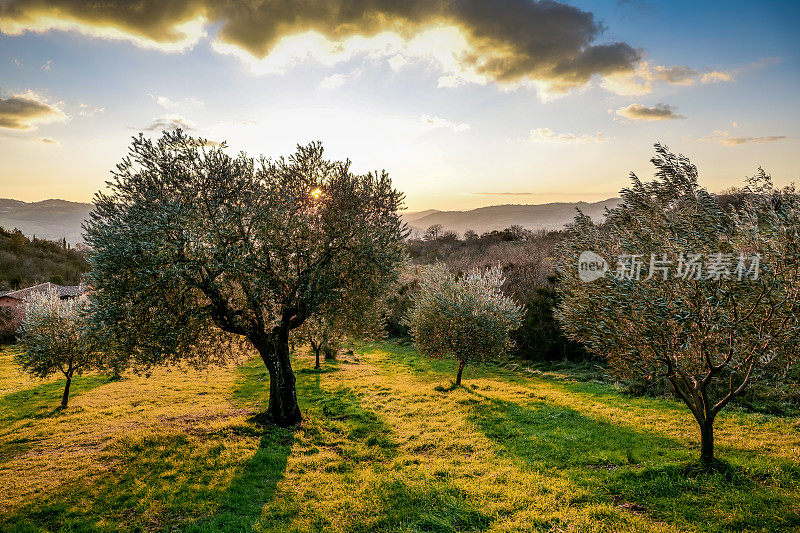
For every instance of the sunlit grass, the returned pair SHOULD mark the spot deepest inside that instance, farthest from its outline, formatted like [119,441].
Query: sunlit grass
[385,446]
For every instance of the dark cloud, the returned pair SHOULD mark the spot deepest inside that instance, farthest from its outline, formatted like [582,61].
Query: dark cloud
[640,112]
[509,40]
[23,111]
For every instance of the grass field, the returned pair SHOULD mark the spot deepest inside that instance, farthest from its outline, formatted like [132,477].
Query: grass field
[385,446]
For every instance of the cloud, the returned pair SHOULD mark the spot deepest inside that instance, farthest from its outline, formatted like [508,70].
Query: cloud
[86,110]
[24,111]
[47,65]
[438,122]
[334,81]
[46,140]
[640,112]
[397,61]
[641,79]
[724,138]
[551,46]
[169,122]
[547,135]
[170,104]
[17,62]
[716,76]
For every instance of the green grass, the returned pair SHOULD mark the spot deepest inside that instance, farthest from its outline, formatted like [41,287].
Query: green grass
[386,445]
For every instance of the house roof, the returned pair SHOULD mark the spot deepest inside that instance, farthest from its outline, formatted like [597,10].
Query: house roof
[63,291]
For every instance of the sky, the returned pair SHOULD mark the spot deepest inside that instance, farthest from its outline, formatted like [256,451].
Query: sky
[465,103]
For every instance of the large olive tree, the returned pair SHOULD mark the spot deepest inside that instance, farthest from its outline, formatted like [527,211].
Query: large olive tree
[704,297]
[193,249]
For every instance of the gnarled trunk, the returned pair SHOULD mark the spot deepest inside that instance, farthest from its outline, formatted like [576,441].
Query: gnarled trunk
[283,409]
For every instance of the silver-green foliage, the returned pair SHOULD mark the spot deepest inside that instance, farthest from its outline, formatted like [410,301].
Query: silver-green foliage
[708,337]
[467,318]
[194,248]
[55,338]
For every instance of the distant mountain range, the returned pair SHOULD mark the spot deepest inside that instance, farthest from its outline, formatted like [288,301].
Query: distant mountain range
[48,219]
[551,216]
[58,219]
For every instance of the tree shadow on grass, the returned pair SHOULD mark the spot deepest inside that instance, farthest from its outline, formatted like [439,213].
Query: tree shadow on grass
[161,481]
[403,505]
[44,400]
[24,407]
[186,477]
[637,470]
[333,418]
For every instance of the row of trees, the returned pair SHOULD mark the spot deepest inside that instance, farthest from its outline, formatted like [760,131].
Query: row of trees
[196,252]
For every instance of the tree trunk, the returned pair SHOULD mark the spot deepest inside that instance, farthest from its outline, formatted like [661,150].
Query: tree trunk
[65,397]
[707,442]
[316,353]
[460,370]
[283,409]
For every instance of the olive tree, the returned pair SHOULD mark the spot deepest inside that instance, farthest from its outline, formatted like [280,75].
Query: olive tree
[193,249]
[467,318]
[54,337]
[684,290]
[357,317]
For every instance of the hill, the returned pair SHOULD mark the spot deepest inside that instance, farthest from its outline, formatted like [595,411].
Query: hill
[49,219]
[25,262]
[60,219]
[550,216]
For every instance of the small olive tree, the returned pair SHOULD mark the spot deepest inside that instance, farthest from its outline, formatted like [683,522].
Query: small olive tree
[468,318]
[706,298]
[193,249]
[358,317]
[10,321]
[54,337]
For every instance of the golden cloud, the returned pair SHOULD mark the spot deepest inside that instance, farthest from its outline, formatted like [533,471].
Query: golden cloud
[24,111]
[546,44]
[641,112]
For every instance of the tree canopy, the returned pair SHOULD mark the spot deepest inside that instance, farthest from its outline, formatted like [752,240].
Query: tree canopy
[466,318]
[685,290]
[55,337]
[194,250]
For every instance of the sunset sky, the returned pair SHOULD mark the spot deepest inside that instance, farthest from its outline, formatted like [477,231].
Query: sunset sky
[466,103]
